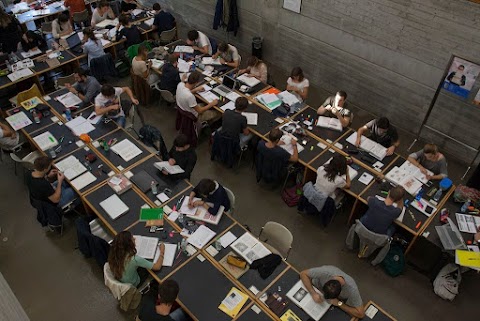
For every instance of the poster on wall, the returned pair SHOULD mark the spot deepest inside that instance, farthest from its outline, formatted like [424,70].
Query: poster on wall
[461,77]
[292,5]
[476,100]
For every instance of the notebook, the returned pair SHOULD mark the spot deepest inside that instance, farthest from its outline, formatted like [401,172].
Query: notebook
[126,150]
[143,180]
[114,206]
[45,141]
[119,183]
[175,169]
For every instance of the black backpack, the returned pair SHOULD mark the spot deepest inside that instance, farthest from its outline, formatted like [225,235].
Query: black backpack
[152,137]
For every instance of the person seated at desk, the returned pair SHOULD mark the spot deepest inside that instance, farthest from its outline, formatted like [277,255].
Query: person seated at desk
[199,42]
[8,137]
[142,68]
[124,261]
[10,34]
[92,46]
[335,106]
[228,55]
[330,178]
[75,6]
[47,185]
[86,87]
[163,20]
[170,77]
[101,13]
[381,132]
[337,287]
[108,102]
[209,191]
[130,32]
[256,68]
[429,158]
[61,26]
[183,155]
[33,41]
[234,124]
[186,99]
[381,214]
[160,308]
[127,6]
[298,84]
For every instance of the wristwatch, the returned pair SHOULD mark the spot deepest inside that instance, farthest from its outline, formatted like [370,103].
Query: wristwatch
[340,303]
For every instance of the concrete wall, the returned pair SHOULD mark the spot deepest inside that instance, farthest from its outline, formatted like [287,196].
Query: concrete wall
[389,55]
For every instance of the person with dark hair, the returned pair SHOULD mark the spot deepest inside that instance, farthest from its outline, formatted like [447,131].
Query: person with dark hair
[228,55]
[381,132]
[47,185]
[61,26]
[381,214]
[86,87]
[163,20]
[298,84]
[92,46]
[199,41]
[101,13]
[142,68]
[160,308]
[212,196]
[124,261]
[33,41]
[127,6]
[256,68]
[186,99]
[272,147]
[8,137]
[108,102]
[337,287]
[234,124]
[458,77]
[130,32]
[183,155]
[75,6]
[170,77]
[333,176]
[335,106]
[10,33]
[429,158]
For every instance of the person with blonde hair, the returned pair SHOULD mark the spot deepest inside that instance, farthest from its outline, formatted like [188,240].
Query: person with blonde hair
[256,68]
[429,158]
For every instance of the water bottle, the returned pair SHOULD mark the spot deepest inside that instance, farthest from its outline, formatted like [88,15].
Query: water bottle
[218,244]
[183,245]
[153,185]
[437,195]
[36,118]
[181,219]
[9,66]
[465,206]
[52,153]
[68,114]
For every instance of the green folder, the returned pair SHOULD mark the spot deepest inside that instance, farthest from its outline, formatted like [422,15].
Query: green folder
[148,214]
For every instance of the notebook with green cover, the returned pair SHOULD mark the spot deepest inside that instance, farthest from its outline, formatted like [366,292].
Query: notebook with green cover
[148,214]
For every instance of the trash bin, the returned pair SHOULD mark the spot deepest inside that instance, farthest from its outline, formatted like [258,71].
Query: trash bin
[257,47]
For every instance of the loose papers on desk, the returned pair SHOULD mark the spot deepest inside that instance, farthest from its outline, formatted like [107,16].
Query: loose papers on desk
[412,170]
[19,120]
[271,101]
[467,223]
[69,100]
[211,61]
[170,169]
[233,302]
[186,49]
[201,237]
[31,53]
[71,167]
[199,212]
[184,66]
[232,96]
[230,105]
[375,149]
[252,118]
[80,125]
[107,22]
[45,141]
[26,63]
[19,74]
[249,81]
[287,144]
[250,248]
[288,98]
[149,22]
[302,298]
[126,150]
[114,206]
[146,246]
[83,180]
[330,123]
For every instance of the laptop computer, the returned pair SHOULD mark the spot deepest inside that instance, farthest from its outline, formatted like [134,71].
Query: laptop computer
[226,87]
[450,236]
[143,180]
[74,43]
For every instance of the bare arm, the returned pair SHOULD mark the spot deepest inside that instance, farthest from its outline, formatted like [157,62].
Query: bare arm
[200,109]
[158,265]
[343,120]
[130,94]
[55,197]
[360,132]
[203,49]
[7,132]
[356,312]
[349,182]
[309,286]
[99,110]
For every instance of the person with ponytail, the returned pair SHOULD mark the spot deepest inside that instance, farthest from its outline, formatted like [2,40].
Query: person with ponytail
[92,46]
[332,176]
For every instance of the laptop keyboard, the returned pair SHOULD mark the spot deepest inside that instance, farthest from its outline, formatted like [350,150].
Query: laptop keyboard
[448,237]
[222,90]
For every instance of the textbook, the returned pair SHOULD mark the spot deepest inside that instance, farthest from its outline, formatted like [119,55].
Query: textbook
[126,150]
[250,248]
[146,246]
[373,148]
[45,141]
[80,125]
[114,206]
[119,183]
[330,123]
[175,169]
[233,302]
[200,213]
[302,298]
[271,101]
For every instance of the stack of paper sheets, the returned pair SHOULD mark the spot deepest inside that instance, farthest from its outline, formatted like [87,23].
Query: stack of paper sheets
[80,125]
[69,100]
[269,100]
[71,167]
[18,120]
[126,150]
[288,98]
[187,49]
[19,74]
[249,81]
[375,149]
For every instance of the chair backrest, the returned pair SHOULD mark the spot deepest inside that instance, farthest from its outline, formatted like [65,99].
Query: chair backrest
[46,27]
[25,164]
[186,123]
[278,236]
[141,88]
[117,288]
[61,81]
[167,95]
[29,93]
[168,35]
[81,16]
[103,66]
[231,197]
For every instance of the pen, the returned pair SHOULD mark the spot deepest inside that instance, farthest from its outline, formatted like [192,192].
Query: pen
[384,192]
[180,201]
[61,139]
[418,224]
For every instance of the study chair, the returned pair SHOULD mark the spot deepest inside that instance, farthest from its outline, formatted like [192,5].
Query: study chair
[26,162]
[46,28]
[225,149]
[186,123]
[277,238]
[367,242]
[166,94]
[34,91]
[61,81]
[141,88]
[82,18]
[231,198]
[128,296]
[168,36]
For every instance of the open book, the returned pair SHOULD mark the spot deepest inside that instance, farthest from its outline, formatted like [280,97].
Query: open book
[169,255]
[200,213]
[414,171]
[329,122]
[146,246]
[69,99]
[45,141]
[187,49]
[403,178]
[287,144]
[288,98]
[175,169]
[107,22]
[126,150]
[80,125]
[252,118]
[250,248]
[301,297]
[71,167]
[373,148]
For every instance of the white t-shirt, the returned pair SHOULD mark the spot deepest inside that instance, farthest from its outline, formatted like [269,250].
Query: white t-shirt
[103,101]
[185,99]
[299,85]
[323,185]
[232,54]
[8,142]
[203,41]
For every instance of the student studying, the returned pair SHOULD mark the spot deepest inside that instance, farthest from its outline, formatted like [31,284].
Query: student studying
[101,13]
[199,41]
[163,20]
[298,84]
[234,124]
[61,26]
[108,103]
[170,77]
[335,107]
[130,32]
[255,68]
[381,132]
[429,158]
[209,191]
[86,87]
[92,46]
[143,68]
[183,155]
[228,55]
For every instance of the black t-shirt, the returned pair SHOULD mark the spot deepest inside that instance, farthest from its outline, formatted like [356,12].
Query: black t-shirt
[233,123]
[128,6]
[40,189]
[147,311]
[170,78]
[186,160]
[131,34]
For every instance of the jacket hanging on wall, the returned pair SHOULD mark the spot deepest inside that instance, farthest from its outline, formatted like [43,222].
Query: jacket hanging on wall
[226,15]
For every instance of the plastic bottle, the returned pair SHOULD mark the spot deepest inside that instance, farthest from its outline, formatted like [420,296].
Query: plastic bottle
[181,219]
[36,118]
[419,195]
[465,206]
[183,245]
[153,185]
[68,114]
[437,195]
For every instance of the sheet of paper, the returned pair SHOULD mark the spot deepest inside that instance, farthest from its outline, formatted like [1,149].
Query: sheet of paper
[169,255]
[126,150]
[211,61]
[371,311]
[69,100]
[107,22]
[249,81]
[31,53]
[252,118]
[187,49]
[173,216]
[288,98]
[19,74]
[365,178]
[162,197]
[45,141]
[94,119]
[230,105]
[201,236]
[211,250]
[149,22]
[184,66]
[18,120]
[227,239]
[208,96]
[232,96]
[185,209]
[136,12]
[232,300]
[83,180]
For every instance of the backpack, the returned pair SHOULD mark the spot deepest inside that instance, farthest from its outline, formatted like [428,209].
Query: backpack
[447,282]
[292,195]
[152,137]
[394,262]
[464,193]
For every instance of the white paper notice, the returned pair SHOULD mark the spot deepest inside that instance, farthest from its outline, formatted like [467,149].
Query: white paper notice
[227,239]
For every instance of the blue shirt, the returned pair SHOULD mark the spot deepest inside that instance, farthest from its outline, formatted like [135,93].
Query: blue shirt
[379,216]
[164,21]
[93,49]
[170,78]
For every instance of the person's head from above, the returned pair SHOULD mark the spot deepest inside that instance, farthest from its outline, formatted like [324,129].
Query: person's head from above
[124,20]
[43,164]
[383,124]
[80,75]
[275,135]
[205,187]
[297,74]
[431,152]
[168,292]
[336,167]
[193,79]
[30,35]
[156,6]
[192,36]
[241,104]
[340,98]
[142,52]
[103,7]
[396,193]
[62,18]
[181,143]
[123,248]
[252,61]
[108,91]
[223,47]
[331,289]
[173,59]
[89,34]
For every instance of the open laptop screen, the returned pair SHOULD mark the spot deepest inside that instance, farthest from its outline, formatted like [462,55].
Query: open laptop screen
[229,82]
[73,40]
